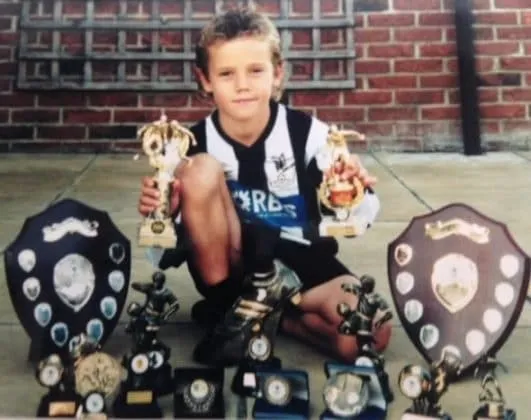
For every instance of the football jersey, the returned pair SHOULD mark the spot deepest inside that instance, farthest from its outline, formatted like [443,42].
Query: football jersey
[276,178]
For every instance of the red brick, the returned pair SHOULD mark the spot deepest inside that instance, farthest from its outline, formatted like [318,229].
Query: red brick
[113,132]
[9,9]
[6,54]
[35,115]
[8,38]
[62,99]
[398,144]
[391,50]
[416,129]
[17,132]
[5,85]
[4,116]
[17,99]
[170,100]
[391,20]
[419,96]
[515,63]
[392,82]
[520,32]
[497,48]
[437,50]
[436,19]
[171,7]
[527,48]
[87,116]
[481,33]
[418,34]
[502,79]
[502,111]
[485,95]
[516,95]
[136,115]
[341,114]
[60,132]
[107,7]
[372,66]
[6,24]
[516,125]
[483,64]
[528,80]
[372,35]
[496,18]
[490,126]
[392,114]
[113,99]
[315,98]
[511,4]
[418,66]
[74,7]
[364,97]
[372,129]
[417,4]
[526,18]
[441,113]
[439,81]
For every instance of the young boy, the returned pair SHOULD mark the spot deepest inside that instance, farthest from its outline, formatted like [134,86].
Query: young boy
[256,156]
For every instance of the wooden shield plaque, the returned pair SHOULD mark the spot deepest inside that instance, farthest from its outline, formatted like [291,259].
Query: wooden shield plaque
[459,282]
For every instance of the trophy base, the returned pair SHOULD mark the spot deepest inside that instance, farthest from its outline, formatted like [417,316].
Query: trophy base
[245,382]
[59,404]
[412,416]
[163,380]
[136,404]
[370,413]
[157,233]
[329,226]
[482,414]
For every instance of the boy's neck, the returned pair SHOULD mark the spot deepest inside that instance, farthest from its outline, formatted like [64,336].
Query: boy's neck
[245,132]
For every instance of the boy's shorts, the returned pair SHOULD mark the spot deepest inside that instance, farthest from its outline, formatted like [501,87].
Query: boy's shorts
[313,264]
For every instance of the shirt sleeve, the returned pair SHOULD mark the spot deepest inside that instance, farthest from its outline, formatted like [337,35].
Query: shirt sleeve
[316,141]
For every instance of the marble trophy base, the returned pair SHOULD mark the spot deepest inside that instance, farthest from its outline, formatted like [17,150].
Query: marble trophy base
[157,233]
[283,394]
[483,414]
[412,416]
[331,226]
[58,403]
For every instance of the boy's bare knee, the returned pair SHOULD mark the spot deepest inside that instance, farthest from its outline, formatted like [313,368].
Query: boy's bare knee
[201,178]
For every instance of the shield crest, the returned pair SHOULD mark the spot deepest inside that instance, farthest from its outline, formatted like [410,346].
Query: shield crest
[459,281]
[68,273]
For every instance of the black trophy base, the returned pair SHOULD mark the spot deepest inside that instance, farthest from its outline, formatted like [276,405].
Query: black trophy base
[136,404]
[482,414]
[211,405]
[163,380]
[370,413]
[59,404]
[294,383]
[412,416]
[245,382]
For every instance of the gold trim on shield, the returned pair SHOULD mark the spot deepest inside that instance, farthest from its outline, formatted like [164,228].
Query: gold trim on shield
[474,232]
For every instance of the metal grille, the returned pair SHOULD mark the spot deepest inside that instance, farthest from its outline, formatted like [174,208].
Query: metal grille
[149,45]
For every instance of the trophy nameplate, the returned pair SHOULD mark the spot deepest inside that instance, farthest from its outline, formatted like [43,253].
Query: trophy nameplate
[339,193]
[68,274]
[166,144]
[459,282]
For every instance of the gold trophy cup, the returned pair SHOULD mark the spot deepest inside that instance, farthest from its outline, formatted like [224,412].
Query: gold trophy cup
[166,145]
[338,193]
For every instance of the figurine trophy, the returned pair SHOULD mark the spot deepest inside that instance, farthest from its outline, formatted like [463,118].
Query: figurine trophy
[361,390]
[491,397]
[426,387]
[166,144]
[339,192]
[97,377]
[62,400]
[149,371]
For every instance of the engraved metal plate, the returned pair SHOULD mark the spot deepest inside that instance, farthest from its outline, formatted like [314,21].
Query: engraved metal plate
[98,372]
[68,274]
[458,279]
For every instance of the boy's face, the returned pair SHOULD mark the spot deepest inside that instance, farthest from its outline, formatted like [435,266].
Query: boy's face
[241,76]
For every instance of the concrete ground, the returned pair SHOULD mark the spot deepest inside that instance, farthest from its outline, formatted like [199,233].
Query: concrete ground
[497,184]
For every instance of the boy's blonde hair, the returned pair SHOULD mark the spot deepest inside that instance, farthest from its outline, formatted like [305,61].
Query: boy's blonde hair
[234,23]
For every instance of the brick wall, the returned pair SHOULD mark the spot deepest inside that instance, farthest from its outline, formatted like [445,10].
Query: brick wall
[406,97]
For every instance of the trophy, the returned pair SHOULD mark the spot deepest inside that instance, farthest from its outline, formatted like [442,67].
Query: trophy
[198,393]
[459,281]
[340,192]
[97,377]
[426,387]
[166,144]
[491,396]
[62,400]
[360,390]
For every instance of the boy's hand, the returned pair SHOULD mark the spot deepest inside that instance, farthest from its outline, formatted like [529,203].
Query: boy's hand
[150,197]
[355,168]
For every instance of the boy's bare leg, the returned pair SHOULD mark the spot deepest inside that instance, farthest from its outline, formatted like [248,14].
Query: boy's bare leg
[209,217]
[318,324]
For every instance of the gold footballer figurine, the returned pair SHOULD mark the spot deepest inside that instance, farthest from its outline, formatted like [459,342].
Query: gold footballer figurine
[166,145]
[340,191]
